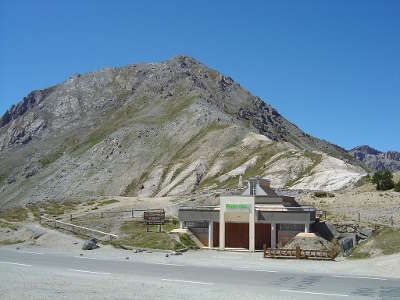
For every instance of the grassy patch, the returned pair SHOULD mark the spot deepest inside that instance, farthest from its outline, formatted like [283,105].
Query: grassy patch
[50,158]
[17,214]
[56,209]
[170,110]
[106,202]
[7,225]
[134,234]
[362,181]
[10,242]
[34,209]
[131,188]
[187,241]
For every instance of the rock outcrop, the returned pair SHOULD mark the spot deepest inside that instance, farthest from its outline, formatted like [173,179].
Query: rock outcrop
[376,160]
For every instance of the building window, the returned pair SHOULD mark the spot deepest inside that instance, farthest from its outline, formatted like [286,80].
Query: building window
[253,188]
[291,227]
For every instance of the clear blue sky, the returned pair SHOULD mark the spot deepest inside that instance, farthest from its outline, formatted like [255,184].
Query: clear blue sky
[331,67]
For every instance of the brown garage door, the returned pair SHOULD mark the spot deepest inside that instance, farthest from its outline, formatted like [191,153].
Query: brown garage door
[236,235]
[216,234]
[262,236]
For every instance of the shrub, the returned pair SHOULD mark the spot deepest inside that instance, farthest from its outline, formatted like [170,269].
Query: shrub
[397,187]
[383,180]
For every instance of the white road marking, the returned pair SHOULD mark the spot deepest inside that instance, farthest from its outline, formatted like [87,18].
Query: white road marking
[315,293]
[252,270]
[188,281]
[90,272]
[168,264]
[85,257]
[360,277]
[14,263]
[30,252]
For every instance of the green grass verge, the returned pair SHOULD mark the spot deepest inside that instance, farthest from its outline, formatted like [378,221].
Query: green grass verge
[10,242]
[133,233]
[386,240]
[187,241]
[17,214]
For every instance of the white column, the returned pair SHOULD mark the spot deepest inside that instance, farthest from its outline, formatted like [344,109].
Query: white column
[251,228]
[181,224]
[306,228]
[222,227]
[210,234]
[273,235]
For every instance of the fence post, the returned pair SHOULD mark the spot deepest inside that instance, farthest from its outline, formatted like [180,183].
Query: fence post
[55,224]
[325,215]
[70,218]
[359,217]
[298,252]
[265,250]
[101,215]
[132,213]
[391,220]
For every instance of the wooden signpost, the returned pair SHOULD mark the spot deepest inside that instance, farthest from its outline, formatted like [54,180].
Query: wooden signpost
[156,217]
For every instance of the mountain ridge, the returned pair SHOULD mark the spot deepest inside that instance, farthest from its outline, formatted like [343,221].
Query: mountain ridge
[141,128]
[377,160]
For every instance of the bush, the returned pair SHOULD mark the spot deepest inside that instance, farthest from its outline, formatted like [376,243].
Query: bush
[383,180]
[397,187]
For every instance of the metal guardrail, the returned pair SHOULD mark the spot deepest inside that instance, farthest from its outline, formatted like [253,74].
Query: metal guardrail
[299,253]
[76,228]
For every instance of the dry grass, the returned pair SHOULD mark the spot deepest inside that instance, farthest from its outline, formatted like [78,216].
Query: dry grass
[17,214]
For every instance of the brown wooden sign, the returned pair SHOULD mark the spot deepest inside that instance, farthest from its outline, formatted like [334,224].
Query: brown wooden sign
[154,217]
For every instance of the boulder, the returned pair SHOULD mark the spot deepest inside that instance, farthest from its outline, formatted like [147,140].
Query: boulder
[346,245]
[90,244]
[365,233]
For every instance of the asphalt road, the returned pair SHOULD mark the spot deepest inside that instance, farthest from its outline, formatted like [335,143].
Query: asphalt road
[35,275]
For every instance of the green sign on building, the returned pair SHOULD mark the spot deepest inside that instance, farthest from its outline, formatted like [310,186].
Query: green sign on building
[236,206]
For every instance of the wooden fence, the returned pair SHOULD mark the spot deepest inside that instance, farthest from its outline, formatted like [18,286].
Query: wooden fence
[299,253]
[78,229]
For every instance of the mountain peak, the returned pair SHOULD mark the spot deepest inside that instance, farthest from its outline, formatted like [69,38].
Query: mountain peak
[366,150]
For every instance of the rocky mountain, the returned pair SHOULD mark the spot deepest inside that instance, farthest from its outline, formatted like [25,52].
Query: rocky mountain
[376,160]
[156,129]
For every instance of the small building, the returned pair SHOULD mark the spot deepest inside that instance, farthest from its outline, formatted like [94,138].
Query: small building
[256,217]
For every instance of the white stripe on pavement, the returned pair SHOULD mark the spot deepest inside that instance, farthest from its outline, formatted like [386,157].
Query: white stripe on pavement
[167,264]
[315,293]
[359,277]
[188,281]
[250,270]
[90,272]
[14,263]
[85,257]
[30,252]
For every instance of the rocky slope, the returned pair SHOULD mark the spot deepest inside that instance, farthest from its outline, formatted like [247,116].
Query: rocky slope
[168,128]
[376,160]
